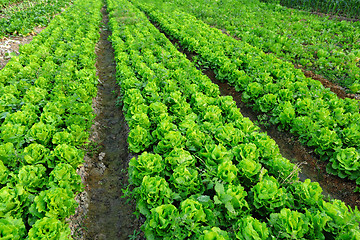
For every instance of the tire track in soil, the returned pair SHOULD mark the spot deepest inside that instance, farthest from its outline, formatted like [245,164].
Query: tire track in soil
[290,147]
[108,216]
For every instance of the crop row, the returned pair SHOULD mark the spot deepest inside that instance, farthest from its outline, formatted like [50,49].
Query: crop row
[45,109]
[328,47]
[347,8]
[23,18]
[293,102]
[205,171]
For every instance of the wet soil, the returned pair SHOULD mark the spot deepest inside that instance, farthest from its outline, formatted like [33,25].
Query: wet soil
[103,212]
[290,147]
[10,45]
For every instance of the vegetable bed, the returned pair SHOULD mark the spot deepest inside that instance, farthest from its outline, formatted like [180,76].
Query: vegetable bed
[205,171]
[45,110]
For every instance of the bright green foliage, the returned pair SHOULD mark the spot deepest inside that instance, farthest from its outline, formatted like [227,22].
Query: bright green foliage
[214,233]
[65,176]
[11,229]
[342,7]
[232,199]
[146,164]
[249,228]
[274,87]
[154,191]
[344,163]
[307,192]
[49,229]
[4,174]
[36,153]
[45,111]
[206,166]
[23,17]
[32,177]
[64,153]
[289,224]
[163,222]
[268,196]
[54,203]
[186,181]
[13,201]
[40,133]
[139,139]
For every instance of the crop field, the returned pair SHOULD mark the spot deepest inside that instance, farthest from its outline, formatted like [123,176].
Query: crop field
[168,119]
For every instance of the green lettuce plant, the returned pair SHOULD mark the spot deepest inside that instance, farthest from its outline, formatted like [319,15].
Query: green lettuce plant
[49,229]
[65,176]
[147,164]
[249,228]
[289,224]
[56,202]
[32,177]
[12,228]
[162,223]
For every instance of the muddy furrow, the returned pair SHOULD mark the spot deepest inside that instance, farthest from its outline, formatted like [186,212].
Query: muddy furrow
[290,148]
[109,216]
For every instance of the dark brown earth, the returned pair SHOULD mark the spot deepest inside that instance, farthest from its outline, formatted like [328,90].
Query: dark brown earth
[290,147]
[107,215]
[11,44]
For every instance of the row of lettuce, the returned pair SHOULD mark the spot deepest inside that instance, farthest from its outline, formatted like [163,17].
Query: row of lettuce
[23,18]
[204,171]
[273,87]
[45,109]
[347,8]
[330,48]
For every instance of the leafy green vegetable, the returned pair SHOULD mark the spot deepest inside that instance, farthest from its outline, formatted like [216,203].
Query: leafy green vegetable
[153,192]
[49,229]
[54,203]
[32,177]
[64,153]
[267,196]
[249,228]
[11,229]
[227,171]
[289,224]
[65,176]
[345,163]
[139,139]
[36,153]
[163,222]
[40,133]
[186,181]
[214,233]
[232,198]
[147,164]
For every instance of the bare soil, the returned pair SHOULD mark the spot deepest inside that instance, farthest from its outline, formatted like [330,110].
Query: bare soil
[10,45]
[103,212]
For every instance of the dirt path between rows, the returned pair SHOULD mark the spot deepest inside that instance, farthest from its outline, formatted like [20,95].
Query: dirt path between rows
[108,215]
